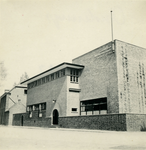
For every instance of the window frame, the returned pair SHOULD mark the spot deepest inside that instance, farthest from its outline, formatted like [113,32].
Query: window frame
[95,105]
[74,75]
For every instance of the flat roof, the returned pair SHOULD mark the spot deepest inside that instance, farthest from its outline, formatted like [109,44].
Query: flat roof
[54,69]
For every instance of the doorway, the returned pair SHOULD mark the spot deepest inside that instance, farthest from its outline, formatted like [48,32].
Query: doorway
[55,117]
[21,120]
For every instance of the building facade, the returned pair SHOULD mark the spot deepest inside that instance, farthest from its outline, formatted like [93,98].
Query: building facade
[11,102]
[102,89]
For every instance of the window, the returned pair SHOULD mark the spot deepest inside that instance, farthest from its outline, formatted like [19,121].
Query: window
[94,107]
[35,83]
[36,107]
[47,78]
[29,108]
[74,109]
[57,74]
[29,86]
[74,75]
[25,91]
[43,80]
[43,106]
[39,82]
[52,76]
[62,72]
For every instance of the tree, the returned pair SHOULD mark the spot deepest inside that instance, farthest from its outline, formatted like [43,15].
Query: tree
[14,84]
[24,77]
[3,72]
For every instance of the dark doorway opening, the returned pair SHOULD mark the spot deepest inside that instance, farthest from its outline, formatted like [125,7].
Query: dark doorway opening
[21,120]
[55,117]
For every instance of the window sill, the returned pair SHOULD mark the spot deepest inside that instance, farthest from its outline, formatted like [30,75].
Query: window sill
[74,82]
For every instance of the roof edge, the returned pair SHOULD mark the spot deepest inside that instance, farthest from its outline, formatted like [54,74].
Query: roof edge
[52,69]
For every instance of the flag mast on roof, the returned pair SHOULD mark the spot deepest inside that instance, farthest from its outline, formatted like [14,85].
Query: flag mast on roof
[112,25]
[112,31]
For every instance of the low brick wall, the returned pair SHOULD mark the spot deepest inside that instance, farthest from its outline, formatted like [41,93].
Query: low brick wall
[34,121]
[100,122]
[135,122]
[113,122]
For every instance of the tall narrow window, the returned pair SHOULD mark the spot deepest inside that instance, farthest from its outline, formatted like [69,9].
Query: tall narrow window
[62,72]
[47,78]
[43,106]
[74,74]
[35,83]
[39,82]
[52,76]
[57,74]
[43,80]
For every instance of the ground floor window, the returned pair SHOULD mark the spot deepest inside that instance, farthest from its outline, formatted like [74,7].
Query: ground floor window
[93,107]
[36,107]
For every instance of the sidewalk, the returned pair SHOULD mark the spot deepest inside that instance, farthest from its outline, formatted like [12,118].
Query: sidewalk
[70,129]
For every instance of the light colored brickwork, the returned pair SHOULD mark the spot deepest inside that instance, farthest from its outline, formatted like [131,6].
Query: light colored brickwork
[131,62]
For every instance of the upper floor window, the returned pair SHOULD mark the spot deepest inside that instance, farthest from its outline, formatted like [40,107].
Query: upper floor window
[57,74]
[43,80]
[52,76]
[39,82]
[25,91]
[47,78]
[35,83]
[74,74]
[63,72]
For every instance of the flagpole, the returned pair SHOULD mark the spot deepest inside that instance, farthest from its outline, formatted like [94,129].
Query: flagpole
[111,26]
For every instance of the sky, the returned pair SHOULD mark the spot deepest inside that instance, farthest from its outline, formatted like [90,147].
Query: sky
[36,35]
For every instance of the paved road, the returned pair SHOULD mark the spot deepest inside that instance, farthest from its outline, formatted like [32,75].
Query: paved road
[27,138]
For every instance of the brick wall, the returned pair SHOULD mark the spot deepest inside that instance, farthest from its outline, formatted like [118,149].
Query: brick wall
[118,122]
[113,122]
[100,122]
[131,62]
[135,122]
[34,121]
[99,77]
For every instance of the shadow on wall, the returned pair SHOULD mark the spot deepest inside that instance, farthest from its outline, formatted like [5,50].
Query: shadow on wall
[143,127]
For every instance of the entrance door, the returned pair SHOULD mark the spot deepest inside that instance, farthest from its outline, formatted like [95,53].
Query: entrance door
[21,120]
[55,116]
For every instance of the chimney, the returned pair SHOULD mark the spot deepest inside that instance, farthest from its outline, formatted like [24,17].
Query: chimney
[6,90]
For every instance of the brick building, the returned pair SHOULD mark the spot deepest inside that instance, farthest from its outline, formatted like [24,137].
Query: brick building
[11,102]
[102,89]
